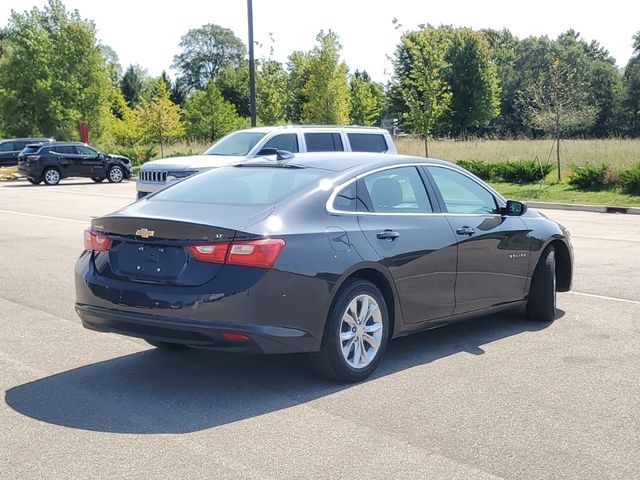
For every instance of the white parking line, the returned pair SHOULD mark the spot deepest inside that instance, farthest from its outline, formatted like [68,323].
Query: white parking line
[613,239]
[604,297]
[11,212]
[93,194]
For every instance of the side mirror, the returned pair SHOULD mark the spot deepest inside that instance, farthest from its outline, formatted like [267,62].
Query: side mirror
[514,208]
[267,151]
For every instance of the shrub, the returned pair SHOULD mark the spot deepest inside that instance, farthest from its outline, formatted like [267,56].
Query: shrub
[589,177]
[480,169]
[525,171]
[630,180]
[138,154]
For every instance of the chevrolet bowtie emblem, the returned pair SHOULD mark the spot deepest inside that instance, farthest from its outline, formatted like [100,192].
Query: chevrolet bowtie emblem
[144,233]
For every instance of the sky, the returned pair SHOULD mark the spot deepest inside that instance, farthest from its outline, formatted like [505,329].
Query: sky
[148,32]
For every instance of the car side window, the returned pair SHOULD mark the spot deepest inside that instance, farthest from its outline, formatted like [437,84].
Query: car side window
[82,150]
[6,147]
[345,199]
[397,190]
[323,142]
[66,149]
[462,194]
[367,142]
[285,141]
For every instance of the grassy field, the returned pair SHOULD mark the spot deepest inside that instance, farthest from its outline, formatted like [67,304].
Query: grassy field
[618,153]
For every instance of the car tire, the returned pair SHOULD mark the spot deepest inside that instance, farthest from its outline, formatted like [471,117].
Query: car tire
[166,345]
[51,176]
[34,181]
[541,304]
[115,174]
[97,179]
[346,341]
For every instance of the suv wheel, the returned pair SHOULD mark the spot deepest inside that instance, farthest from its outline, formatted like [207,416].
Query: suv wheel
[116,174]
[356,334]
[51,176]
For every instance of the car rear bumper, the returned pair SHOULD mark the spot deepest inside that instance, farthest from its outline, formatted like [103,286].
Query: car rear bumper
[280,312]
[260,339]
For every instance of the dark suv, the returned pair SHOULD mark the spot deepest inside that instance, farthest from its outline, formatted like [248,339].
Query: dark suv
[53,161]
[9,149]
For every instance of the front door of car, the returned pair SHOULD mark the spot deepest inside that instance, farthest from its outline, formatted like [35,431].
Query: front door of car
[91,162]
[417,245]
[493,249]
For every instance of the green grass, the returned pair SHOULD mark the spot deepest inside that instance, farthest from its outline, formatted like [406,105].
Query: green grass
[620,154]
[563,193]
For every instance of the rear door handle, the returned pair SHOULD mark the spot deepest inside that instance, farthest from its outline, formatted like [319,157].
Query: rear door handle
[466,231]
[387,235]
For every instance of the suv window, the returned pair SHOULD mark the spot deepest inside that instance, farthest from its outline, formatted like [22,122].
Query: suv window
[286,141]
[345,200]
[65,149]
[323,142]
[461,194]
[6,147]
[367,142]
[31,149]
[82,150]
[397,190]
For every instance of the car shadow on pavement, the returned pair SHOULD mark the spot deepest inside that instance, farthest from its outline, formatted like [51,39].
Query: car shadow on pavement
[158,391]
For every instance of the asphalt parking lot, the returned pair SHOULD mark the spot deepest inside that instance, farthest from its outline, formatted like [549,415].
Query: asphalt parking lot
[498,397]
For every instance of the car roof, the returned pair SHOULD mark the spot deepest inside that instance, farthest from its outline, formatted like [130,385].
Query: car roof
[284,128]
[343,161]
[30,139]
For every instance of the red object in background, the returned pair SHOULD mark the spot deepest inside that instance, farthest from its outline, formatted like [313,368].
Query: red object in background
[83,128]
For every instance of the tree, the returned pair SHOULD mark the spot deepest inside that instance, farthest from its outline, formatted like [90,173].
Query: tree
[160,119]
[472,80]
[420,63]
[53,75]
[233,83]
[326,89]
[632,86]
[208,115]
[132,84]
[366,99]
[298,66]
[205,51]
[558,104]
[271,93]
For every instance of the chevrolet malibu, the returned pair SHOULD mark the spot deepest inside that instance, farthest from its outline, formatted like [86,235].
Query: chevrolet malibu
[331,254]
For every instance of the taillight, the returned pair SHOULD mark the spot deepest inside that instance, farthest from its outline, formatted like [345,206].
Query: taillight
[212,252]
[252,253]
[96,241]
[33,158]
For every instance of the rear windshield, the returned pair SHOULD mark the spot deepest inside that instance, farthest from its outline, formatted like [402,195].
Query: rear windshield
[31,149]
[239,143]
[242,185]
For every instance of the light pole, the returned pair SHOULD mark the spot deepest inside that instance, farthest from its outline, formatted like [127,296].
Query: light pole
[252,67]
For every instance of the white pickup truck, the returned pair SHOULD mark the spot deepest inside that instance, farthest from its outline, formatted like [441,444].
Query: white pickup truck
[244,144]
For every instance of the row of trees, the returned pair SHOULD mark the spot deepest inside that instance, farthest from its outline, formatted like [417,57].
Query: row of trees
[447,82]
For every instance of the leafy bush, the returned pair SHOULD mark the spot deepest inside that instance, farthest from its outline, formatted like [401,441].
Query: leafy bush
[138,154]
[630,180]
[480,169]
[525,171]
[589,177]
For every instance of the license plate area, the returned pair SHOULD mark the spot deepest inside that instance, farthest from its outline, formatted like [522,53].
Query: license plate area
[145,261]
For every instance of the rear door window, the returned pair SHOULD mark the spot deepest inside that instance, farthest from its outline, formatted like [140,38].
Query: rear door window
[367,142]
[6,147]
[285,141]
[323,142]
[66,149]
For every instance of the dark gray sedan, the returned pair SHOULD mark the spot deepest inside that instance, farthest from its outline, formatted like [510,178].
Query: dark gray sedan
[332,254]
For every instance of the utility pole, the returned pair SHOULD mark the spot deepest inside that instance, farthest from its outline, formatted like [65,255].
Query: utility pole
[252,67]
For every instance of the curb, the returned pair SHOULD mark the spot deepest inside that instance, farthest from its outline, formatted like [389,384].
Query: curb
[585,208]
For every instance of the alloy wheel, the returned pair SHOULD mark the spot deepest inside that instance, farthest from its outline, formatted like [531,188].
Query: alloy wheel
[361,331]
[52,177]
[115,174]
